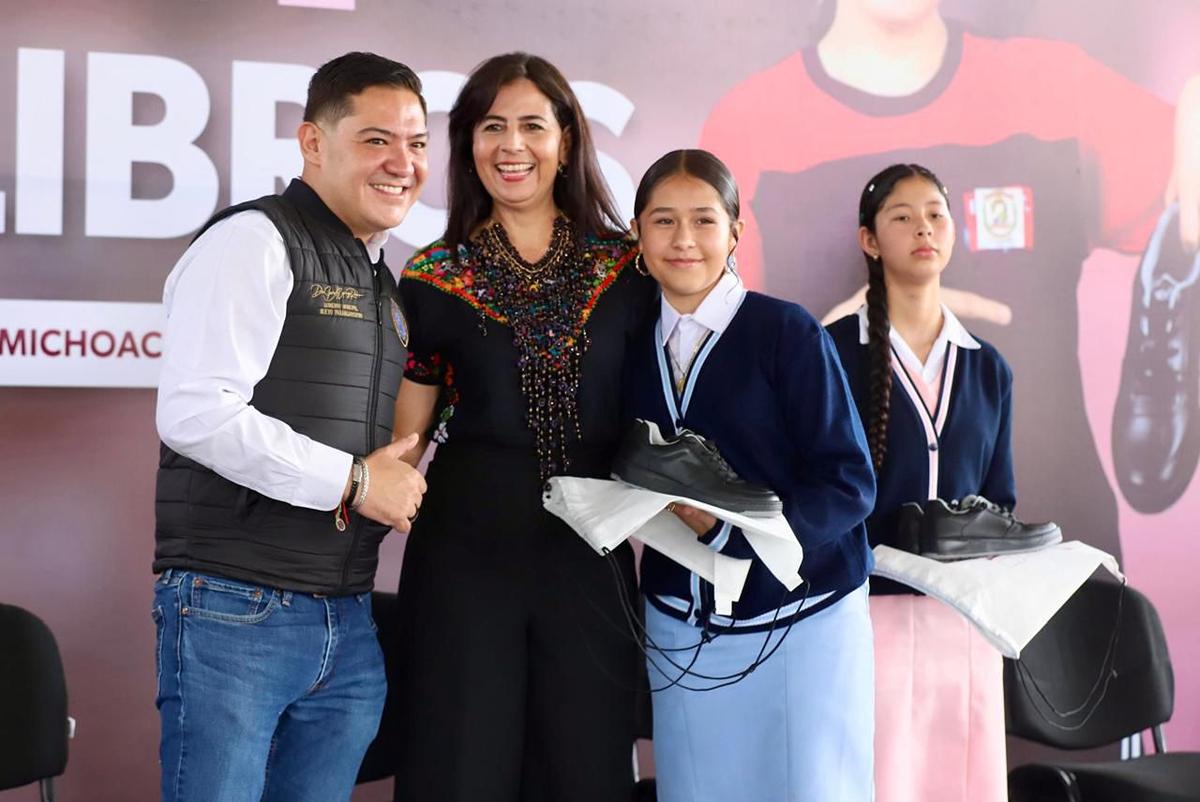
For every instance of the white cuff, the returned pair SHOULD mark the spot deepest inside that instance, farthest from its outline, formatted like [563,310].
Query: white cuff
[324,480]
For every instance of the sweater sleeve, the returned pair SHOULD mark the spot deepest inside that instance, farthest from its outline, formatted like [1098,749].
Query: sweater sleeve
[999,486]
[834,490]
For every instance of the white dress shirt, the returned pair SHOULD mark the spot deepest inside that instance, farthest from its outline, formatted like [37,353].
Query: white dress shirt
[225,303]
[929,372]
[683,333]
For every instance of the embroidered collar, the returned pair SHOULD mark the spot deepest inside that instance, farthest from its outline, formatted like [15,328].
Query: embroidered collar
[438,266]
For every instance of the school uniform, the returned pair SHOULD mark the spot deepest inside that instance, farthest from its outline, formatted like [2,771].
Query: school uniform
[761,378]
[939,712]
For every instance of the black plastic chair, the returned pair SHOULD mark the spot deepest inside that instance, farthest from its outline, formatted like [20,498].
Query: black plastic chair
[34,727]
[1098,673]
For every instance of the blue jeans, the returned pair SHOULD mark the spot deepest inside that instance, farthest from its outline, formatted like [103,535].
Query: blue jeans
[264,694]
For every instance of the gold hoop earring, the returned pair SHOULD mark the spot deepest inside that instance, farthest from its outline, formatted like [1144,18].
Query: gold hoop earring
[639,265]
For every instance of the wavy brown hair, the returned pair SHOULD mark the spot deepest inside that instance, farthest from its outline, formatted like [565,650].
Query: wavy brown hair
[579,192]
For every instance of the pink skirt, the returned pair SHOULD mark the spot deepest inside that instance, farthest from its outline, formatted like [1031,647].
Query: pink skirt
[939,705]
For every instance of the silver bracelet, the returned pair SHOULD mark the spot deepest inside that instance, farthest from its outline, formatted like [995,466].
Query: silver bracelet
[361,495]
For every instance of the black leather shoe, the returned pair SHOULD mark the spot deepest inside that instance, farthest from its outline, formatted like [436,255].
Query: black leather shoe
[906,527]
[689,466]
[1155,431]
[975,527]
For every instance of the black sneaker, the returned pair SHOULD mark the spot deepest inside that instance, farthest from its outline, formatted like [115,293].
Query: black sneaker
[1155,437]
[689,466]
[975,527]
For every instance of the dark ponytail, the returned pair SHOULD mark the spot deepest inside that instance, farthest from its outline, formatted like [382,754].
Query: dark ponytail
[879,327]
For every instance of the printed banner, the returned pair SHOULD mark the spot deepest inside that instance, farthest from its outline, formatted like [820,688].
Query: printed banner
[79,344]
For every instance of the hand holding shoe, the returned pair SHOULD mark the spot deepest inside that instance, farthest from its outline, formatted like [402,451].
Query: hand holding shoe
[698,521]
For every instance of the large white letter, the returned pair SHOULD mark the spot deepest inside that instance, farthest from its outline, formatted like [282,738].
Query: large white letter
[257,155]
[605,105]
[40,87]
[114,144]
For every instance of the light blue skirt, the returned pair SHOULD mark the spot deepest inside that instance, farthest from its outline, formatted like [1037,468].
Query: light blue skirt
[799,728]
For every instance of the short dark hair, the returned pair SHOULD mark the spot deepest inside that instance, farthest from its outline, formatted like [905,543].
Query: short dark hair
[699,164]
[580,192]
[337,81]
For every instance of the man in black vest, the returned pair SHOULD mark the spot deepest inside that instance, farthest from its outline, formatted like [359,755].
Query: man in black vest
[284,347]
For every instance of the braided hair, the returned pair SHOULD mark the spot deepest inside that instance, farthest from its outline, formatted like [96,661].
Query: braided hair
[879,347]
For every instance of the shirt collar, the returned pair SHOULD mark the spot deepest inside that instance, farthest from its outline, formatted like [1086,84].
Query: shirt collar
[714,312]
[375,244]
[955,332]
[952,330]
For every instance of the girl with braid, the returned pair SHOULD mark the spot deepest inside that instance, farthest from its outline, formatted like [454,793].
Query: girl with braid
[937,405]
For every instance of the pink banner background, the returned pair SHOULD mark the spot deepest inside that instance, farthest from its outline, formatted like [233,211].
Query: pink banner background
[77,473]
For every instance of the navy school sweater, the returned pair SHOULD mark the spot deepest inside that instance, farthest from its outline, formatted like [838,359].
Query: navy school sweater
[770,392]
[972,451]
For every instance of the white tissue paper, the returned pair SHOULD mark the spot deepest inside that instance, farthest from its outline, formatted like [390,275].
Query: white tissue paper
[605,513]
[1008,598]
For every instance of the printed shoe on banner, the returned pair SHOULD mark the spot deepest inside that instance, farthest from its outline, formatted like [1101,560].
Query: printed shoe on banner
[1155,426]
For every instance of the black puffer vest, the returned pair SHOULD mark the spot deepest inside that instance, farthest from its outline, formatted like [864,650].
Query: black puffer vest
[333,378]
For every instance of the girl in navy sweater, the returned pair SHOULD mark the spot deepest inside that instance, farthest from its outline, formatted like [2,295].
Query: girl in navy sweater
[760,378]
[938,407]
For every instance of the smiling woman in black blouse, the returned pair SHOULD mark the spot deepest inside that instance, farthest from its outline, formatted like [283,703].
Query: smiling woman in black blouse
[517,672]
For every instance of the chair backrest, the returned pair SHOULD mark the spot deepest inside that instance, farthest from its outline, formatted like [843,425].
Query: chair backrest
[1065,663]
[33,701]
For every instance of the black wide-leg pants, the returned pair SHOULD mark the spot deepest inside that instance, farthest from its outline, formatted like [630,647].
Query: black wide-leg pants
[517,667]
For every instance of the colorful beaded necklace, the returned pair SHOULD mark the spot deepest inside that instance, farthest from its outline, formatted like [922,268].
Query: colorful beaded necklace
[544,303]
